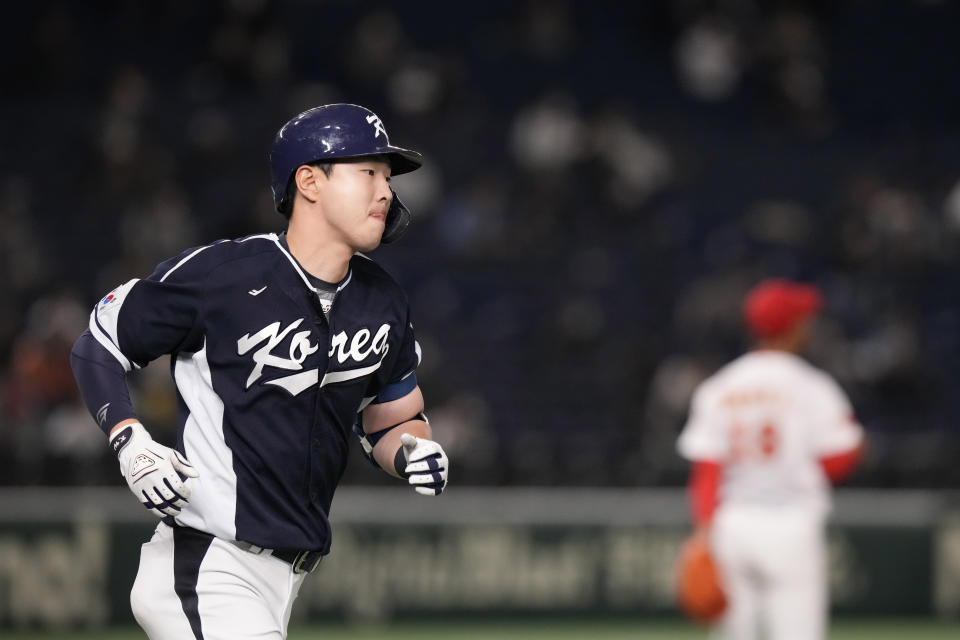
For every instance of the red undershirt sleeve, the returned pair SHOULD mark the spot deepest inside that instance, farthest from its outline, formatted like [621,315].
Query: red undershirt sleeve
[839,466]
[703,490]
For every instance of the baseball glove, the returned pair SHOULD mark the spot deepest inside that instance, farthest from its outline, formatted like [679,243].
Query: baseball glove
[699,590]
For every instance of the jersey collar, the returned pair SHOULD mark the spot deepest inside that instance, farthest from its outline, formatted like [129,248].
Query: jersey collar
[282,245]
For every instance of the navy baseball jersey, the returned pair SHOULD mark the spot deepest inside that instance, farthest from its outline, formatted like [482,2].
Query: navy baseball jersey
[269,387]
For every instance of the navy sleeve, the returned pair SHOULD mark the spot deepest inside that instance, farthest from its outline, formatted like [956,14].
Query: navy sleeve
[409,357]
[102,382]
[144,319]
[135,323]
[398,376]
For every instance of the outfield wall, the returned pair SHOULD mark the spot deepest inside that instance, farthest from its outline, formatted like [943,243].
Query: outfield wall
[68,556]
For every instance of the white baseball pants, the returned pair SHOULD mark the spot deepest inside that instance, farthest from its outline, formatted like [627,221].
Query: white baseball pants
[191,586]
[773,564]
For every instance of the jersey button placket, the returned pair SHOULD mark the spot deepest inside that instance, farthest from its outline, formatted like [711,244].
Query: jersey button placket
[323,330]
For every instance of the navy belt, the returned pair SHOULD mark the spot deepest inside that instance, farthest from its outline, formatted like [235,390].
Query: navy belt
[302,561]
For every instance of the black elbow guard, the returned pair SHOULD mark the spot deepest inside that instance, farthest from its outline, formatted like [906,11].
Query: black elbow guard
[369,440]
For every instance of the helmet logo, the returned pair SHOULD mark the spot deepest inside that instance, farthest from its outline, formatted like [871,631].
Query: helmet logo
[377,125]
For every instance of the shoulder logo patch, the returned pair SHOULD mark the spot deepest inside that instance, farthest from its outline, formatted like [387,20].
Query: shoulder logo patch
[109,299]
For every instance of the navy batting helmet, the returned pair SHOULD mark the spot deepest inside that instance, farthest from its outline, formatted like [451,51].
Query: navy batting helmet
[335,131]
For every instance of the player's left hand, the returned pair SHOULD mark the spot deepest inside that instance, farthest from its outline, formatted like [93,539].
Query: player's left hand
[426,464]
[699,589]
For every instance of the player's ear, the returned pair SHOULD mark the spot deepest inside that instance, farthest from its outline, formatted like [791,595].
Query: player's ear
[310,181]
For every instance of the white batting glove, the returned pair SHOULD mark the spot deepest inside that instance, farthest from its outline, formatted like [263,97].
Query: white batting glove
[155,474]
[426,464]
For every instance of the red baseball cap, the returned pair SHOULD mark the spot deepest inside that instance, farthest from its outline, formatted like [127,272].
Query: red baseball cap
[776,305]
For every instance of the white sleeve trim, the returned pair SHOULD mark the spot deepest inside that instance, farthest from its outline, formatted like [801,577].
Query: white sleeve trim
[416,348]
[104,319]
[107,344]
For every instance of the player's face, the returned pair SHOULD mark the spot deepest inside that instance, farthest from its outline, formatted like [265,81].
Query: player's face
[356,199]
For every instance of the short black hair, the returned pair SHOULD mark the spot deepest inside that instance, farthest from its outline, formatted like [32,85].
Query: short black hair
[287,210]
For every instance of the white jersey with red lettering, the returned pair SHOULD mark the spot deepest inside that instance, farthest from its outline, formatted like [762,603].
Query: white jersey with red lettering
[768,417]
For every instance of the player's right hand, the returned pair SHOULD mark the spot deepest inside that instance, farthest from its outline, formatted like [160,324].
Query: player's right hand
[155,474]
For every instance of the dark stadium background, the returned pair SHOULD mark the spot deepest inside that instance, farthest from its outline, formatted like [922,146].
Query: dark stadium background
[603,183]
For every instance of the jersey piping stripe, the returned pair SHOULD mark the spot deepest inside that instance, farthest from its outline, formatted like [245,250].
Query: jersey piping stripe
[101,336]
[260,236]
[293,263]
[179,264]
[345,282]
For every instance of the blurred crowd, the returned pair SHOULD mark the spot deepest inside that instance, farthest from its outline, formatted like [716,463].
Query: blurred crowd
[604,181]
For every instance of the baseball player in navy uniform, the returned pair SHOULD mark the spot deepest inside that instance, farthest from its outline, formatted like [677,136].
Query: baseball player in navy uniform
[283,348]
